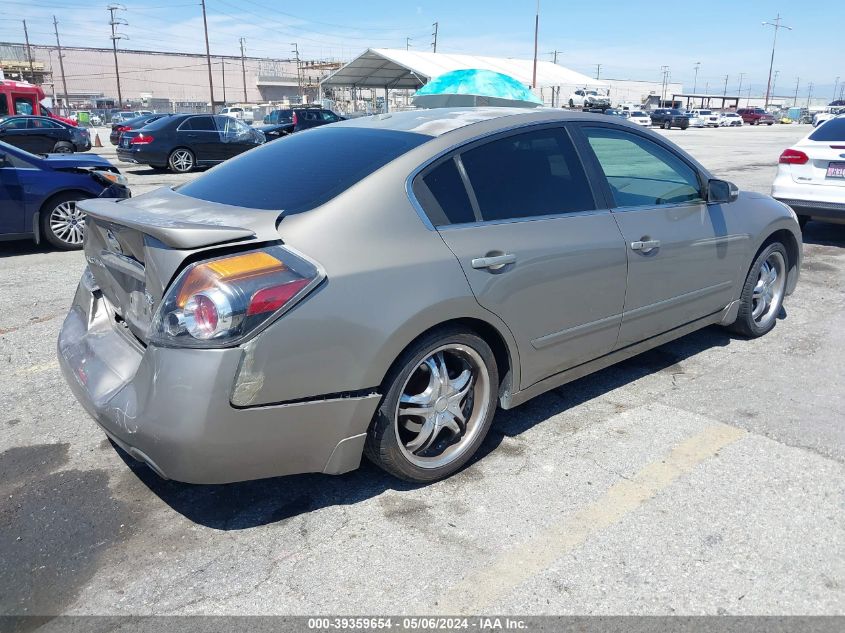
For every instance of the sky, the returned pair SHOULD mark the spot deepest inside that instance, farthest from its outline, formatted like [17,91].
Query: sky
[631,40]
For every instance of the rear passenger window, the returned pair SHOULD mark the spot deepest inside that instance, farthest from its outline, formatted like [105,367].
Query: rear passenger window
[199,123]
[528,175]
[444,196]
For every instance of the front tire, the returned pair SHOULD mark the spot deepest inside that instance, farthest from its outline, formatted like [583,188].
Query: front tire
[440,400]
[181,160]
[62,223]
[763,292]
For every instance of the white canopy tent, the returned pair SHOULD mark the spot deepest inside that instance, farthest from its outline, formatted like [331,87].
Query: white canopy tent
[391,68]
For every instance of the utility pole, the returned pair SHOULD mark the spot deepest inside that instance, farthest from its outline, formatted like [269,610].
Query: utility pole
[795,98]
[598,70]
[554,55]
[695,82]
[777,26]
[114,37]
[663,86]
[407,43]
[208,57]
[536,36]
[32,68]
[809,94]
[295,51]
[555,89]
[725,91]
[835,83]
[739,90]
[434,36]
[223,70]
[61,63]
[243,68]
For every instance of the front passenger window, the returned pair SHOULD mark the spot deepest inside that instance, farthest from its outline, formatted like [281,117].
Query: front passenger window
[641,172]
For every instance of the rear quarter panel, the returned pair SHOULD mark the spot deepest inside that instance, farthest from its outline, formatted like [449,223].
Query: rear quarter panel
[389,279]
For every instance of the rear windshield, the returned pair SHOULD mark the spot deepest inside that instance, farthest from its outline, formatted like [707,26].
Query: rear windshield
[303,170]
[832,130]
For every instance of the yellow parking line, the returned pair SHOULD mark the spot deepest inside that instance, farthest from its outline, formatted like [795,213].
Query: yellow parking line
[482,587]
[34,369]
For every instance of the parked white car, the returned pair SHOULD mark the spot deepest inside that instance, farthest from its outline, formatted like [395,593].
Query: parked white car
[640,118]
[826,115]
[811,174]
[244,114]
[709,117]
[695,120]
[730,119]
[589,98]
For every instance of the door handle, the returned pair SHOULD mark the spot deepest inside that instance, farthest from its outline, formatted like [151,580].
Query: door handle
[645,246]
[495,262]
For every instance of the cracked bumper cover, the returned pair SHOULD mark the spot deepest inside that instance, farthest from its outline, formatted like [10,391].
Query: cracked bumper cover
[171,407]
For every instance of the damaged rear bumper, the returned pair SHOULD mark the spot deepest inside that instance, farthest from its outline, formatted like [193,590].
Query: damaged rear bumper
[171,407]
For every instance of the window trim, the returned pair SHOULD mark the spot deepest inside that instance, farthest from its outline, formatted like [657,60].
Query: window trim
[458,148]
[180,129]
[595,165]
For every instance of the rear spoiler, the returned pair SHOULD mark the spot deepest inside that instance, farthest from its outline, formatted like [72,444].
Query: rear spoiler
[184,223]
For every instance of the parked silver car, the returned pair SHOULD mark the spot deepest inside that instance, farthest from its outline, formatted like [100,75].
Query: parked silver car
[381,285]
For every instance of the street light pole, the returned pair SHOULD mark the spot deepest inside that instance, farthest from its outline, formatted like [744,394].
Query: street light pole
[695,83]
[777,26]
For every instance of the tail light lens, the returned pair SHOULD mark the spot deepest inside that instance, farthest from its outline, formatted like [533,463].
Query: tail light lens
[220,302]
[123,128]
[295,119]
[141,139]
[793,157]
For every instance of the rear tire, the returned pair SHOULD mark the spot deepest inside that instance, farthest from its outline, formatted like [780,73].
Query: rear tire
[181,160]
[63,147]
[439,405]
[62,224]
[763,292]
[667,125]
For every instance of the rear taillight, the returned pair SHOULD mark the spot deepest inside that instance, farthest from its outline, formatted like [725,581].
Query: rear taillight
[220,302]
[295,119]
[141,139]
[123,128]
[793,157]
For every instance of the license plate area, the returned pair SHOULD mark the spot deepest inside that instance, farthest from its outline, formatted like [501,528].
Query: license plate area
[836,170]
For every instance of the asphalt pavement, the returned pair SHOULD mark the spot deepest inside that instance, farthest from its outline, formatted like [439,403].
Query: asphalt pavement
[703,477]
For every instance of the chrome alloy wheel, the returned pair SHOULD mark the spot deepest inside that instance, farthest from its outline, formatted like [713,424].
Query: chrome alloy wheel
[182,160]
[442,406]
[68,223]
[768,291]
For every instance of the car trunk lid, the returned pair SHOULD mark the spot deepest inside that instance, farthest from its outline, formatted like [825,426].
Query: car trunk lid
[134,250]
[825,162]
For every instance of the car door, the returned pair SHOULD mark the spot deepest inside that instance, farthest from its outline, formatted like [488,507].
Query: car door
[235,136]
[199,133]
[14,176]
[518,212]
[683,256]
[13,131]
[44,134]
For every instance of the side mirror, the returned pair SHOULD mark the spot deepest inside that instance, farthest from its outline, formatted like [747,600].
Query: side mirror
[721,191]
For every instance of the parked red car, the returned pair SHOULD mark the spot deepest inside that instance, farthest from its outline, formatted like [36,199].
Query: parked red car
[755,116]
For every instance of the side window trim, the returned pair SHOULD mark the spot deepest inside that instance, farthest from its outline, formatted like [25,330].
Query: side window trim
[602,179]
[473,200]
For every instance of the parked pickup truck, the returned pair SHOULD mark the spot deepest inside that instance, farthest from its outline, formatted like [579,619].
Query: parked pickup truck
[669,118]
[756,116]
[236,112]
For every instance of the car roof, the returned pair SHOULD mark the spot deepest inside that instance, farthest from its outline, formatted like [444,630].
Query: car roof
[436,122]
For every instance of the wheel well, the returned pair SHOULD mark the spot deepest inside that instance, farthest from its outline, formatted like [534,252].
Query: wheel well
[46,204]
[490,335]
[788,240]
